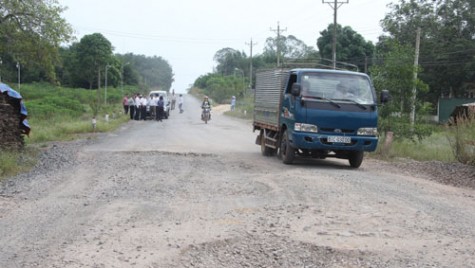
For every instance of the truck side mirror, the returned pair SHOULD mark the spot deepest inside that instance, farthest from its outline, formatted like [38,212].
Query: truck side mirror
[295,90]
[385,96]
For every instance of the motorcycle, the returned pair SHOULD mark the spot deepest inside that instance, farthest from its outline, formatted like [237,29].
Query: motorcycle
[206,114]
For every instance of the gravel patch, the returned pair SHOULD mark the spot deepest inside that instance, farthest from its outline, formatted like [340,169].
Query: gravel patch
[454,174]
[132,205]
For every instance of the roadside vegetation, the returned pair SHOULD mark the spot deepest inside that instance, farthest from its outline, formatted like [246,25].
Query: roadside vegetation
[57,113]
[435,147]
[62,114]
[461,138]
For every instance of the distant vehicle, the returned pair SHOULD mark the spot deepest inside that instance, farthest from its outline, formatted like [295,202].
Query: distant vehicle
[316,113]
[164,94]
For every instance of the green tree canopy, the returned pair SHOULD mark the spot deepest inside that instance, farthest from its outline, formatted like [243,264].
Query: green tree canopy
[220,88]
[229,59]
[93,53]
[232,73]
[290,47]
[31,32]
[396,74]
[153,71]
[351,47]
[447,50]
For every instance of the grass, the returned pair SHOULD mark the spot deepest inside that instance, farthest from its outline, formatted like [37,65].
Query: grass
[435,147]
[12,163]
[62,129]
[61,114]
[244,108]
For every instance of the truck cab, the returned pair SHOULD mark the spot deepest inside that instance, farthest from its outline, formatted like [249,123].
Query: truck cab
[322,113]
[329,111]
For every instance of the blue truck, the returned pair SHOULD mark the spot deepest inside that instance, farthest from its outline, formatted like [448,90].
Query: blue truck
[316,113]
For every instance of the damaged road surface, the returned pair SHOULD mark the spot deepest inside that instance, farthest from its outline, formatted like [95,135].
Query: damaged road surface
[181,193]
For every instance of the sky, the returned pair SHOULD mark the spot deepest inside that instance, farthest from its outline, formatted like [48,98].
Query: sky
[188,33]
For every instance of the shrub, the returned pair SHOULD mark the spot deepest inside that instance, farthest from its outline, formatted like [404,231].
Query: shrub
[462,139]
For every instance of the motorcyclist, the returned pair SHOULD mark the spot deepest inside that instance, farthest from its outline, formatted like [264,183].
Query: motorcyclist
[206,104]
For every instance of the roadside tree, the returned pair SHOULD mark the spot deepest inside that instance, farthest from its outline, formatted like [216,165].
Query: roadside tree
[31,32]
[290,49]
[395,72]
[447,42]
[351,47]
[93,53]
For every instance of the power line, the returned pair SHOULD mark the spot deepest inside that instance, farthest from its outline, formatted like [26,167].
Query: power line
[165,38]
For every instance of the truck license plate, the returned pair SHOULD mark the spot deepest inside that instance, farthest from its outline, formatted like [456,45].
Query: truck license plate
[339,139]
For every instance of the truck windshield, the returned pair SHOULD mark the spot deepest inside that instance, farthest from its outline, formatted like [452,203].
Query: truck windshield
[337,87]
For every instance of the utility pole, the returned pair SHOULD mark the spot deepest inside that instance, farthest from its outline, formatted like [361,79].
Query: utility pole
[278,31]
[105,85]
[335,4]
[122,77]
[18,66]
[250,64]
[365,64]
[414,89]
[1,62]
[242,78]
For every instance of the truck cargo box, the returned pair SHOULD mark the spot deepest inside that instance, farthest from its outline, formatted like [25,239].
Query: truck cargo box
[268,97]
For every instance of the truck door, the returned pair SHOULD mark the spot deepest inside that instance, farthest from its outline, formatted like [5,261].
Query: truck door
[288,104]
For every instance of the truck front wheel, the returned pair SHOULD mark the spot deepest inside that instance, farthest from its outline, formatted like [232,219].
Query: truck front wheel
[286,152]
[356,158]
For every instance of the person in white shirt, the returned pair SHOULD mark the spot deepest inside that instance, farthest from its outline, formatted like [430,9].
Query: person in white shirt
[143,107]
[180,103]
[173,100]
[131,103]
[152,104]
[137,107]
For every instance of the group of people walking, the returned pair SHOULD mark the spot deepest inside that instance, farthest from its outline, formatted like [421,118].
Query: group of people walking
[137,104]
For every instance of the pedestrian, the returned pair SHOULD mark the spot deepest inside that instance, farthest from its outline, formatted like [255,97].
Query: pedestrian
[148,107]
[125,103]
[233,103]
[173,101]
[94,124]
[160,108]
[143,108]
[137,107]
[153,106]
[180,103]
[131,103]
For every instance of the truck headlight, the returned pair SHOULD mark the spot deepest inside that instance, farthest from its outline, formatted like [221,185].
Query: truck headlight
[305,127]
[368,131]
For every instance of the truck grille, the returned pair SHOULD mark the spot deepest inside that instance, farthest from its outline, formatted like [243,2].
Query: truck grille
[333,131]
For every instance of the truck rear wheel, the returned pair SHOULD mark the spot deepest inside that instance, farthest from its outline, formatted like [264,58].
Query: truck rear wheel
[356,158]
[286,152]
[266,151]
